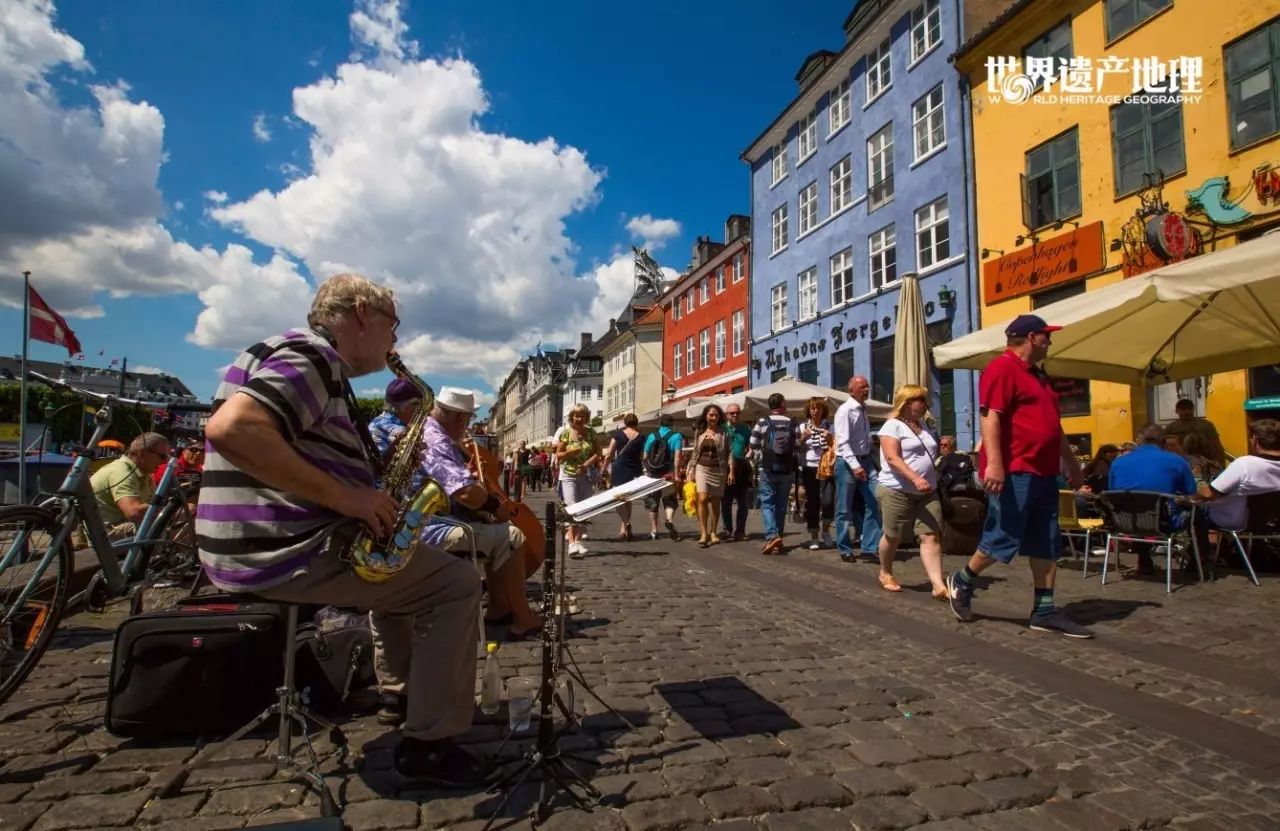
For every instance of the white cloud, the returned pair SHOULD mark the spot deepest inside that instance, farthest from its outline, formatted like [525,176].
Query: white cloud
[379,33]
[217,197]
[148,370]
[651,231]
[231,320]
[179,205]
[261,132]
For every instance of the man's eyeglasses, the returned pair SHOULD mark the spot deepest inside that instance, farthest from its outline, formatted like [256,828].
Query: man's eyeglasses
[733,413]
[394,318]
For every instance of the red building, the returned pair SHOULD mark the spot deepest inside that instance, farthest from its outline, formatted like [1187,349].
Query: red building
[706,318]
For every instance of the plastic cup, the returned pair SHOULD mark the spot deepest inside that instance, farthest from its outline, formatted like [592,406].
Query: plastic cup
[520,693]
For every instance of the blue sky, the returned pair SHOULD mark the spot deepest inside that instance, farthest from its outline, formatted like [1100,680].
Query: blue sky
[489,159]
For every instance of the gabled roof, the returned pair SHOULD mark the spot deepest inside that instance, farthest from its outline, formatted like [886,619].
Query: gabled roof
[651,317]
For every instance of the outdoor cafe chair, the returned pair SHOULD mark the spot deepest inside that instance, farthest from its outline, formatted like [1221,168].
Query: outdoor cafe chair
[1151,518]
[1073,526]
[1263,524]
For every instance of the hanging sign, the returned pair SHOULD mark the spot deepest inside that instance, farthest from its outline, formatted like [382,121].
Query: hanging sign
[1060,259]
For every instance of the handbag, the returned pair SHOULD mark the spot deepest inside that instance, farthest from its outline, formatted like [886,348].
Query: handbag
[827,464]
[335,659]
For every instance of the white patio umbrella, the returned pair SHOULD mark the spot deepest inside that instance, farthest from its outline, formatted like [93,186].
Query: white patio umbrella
[1212,313]
[754,402]
[911,343]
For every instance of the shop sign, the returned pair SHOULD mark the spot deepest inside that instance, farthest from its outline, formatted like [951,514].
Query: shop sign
[1211,197]
[1266,184]
[1070,256]
[1073,395]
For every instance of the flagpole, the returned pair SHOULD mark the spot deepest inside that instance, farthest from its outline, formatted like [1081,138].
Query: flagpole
[22,386]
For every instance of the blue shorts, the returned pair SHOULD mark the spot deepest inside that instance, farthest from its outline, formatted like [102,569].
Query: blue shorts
[1023,517]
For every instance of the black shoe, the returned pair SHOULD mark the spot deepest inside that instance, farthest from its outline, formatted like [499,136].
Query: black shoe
[1145,564]
[671,529]
[439,763]
[848,558]
[391,713]
[961,598]
[1057,621]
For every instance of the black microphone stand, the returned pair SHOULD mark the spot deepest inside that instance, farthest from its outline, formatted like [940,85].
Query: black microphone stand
[544,756]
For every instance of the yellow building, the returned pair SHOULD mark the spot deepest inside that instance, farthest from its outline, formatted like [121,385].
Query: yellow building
[1069,184]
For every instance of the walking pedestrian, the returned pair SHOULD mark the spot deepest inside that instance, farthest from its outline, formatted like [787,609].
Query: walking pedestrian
[738,489]
[709,468]
[774,441]
[576,451]
[662,461]
[816,436]
[857,511]
[1023,451]
[908,488]
[626,452]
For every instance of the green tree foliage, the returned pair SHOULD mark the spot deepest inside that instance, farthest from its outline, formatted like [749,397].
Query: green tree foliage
[69,410]
[369,408]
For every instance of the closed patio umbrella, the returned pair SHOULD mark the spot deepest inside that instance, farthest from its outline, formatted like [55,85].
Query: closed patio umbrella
[1212,313]
[911,343]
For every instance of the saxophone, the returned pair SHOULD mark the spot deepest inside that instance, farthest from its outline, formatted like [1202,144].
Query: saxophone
[378,560]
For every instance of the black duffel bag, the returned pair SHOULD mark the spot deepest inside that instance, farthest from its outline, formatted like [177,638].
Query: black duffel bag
[201,668]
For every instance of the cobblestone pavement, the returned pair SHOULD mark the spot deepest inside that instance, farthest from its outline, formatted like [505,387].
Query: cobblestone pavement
[772,693]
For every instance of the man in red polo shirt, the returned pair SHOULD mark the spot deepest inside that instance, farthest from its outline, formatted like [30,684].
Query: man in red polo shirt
[1023,451]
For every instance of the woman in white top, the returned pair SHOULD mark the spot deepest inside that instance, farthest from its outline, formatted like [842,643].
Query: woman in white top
[816,434]
[908,488]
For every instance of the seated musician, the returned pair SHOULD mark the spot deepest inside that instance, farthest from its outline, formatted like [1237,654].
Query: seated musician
[124,488]
[286,464]
[402,400]
[496,539]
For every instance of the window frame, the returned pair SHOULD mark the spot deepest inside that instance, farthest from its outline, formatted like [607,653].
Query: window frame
[1055,166]
[690,368]
[677,352]
[807,290]
[690,301]
[778,164]
[843,279]
[1148,147]
[841,185]
[879,256]
[841,100]
[807,128]
[927,118]
[1270,32]
[780,220]
[704,347]
[721,274]
[879,67]
[721,340]
[705,290]
[807,208]
[932,11]
[738,330]
[1044,37]
[778,307]
[738,267]
[1108,12]
[885,154]
[930,229]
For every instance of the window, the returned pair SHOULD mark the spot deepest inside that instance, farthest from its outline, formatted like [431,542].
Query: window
[1146,138]
[933,234]
[882,369]
[689,300]
[838,109]
[778,374]
[737,268]
[778,307]
[721,273]
[807,293]
[842,368]
[720,341]
[690,365]
[739,332]
[780,229]
[807,142]
[808,208]
[1044,298]
[675,360]
[878,75]
[842,277]
[1123,15]
[675,309]
[706,289]
[940,333]
[926,28]
[1040,58]
[880,167]
[704,348]
[926,114]
[807,371]
[1253,85]
[842,185]
[778,166]
[1053,180]
[882,247]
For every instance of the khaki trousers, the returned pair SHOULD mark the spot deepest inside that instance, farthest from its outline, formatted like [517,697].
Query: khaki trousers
[426,624]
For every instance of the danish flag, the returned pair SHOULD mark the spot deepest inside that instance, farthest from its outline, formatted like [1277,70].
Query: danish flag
[48,326]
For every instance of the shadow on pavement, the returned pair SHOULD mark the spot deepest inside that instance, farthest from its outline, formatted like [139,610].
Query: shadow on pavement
[1096,610]
[724,706]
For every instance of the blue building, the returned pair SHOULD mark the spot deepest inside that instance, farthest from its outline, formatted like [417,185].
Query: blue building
[860,180]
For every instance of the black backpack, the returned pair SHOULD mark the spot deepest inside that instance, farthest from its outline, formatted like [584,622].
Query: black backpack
[779,448]
[657,459]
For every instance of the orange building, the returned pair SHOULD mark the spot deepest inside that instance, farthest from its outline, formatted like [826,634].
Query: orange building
[705,320]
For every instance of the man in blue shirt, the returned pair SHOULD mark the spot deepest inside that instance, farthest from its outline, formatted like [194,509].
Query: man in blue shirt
[663,466]
[1151,468]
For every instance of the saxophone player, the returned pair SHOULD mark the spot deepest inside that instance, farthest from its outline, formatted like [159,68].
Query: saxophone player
[285,463]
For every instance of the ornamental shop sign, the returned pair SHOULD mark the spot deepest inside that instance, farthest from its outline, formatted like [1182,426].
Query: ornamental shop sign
[1061,259]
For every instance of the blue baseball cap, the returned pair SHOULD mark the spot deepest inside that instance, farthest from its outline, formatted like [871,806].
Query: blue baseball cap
[1026,325]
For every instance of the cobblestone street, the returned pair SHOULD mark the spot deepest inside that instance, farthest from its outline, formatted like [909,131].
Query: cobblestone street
[774,693]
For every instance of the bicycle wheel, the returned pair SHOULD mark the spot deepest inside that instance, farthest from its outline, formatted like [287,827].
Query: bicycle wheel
[175,557]
[28,531]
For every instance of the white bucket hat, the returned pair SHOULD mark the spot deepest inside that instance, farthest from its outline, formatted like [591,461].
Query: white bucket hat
[456,399]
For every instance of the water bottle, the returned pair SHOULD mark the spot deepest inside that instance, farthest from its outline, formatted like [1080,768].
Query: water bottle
[491,682]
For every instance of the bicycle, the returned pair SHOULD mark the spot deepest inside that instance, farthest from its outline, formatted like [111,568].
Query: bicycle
[37,560]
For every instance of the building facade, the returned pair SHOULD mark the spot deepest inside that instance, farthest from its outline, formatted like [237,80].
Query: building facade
[706,325]
[858,181]
[1073,197]
[583,379]
[633,379]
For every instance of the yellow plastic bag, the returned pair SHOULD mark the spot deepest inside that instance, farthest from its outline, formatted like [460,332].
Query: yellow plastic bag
[690,498]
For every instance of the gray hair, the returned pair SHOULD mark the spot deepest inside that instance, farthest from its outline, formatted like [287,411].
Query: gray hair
[337,298]
[1151,434]
[147,441]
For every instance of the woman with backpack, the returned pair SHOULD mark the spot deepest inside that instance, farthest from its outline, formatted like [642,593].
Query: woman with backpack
[907,488]
[708,469]
[626,450]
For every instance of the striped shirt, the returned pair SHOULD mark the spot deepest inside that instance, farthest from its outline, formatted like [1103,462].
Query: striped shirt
[253,536]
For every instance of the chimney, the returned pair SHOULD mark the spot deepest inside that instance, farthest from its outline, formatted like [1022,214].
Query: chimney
[585,340]
[736,226]
[613,324]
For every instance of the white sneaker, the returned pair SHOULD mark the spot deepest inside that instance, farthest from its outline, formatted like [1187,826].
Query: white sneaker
[814,545]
